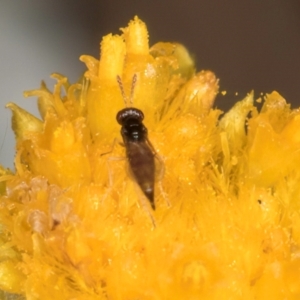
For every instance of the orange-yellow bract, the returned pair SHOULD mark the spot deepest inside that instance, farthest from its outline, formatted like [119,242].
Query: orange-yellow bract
[74,225]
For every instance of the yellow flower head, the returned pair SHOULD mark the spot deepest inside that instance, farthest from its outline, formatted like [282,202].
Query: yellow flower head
[75,223]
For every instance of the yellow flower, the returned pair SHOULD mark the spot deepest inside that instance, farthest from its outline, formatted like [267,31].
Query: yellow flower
[75,225]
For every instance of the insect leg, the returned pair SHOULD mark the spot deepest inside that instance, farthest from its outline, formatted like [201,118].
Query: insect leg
[109,168]
[163,193]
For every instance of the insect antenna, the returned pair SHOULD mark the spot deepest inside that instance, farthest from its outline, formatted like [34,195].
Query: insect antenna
[134,79]
[128,101]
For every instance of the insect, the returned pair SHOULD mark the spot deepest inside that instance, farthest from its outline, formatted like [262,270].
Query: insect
[139,151]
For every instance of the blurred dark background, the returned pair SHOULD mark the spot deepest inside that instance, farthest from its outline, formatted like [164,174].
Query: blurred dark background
[250,44]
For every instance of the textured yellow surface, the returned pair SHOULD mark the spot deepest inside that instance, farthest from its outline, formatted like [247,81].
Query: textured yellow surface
[74,225]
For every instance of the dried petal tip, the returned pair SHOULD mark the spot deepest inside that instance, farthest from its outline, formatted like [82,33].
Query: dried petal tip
[23,122]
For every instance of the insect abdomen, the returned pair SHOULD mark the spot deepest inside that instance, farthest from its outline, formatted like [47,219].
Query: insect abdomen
[141,161]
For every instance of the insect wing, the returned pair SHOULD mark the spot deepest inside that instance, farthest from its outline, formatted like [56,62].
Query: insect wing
[158,162]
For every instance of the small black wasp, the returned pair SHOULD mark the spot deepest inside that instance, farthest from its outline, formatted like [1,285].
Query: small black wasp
[139,151]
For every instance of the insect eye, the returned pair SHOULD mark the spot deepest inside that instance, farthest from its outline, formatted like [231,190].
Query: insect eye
[140,115]
[120,117]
